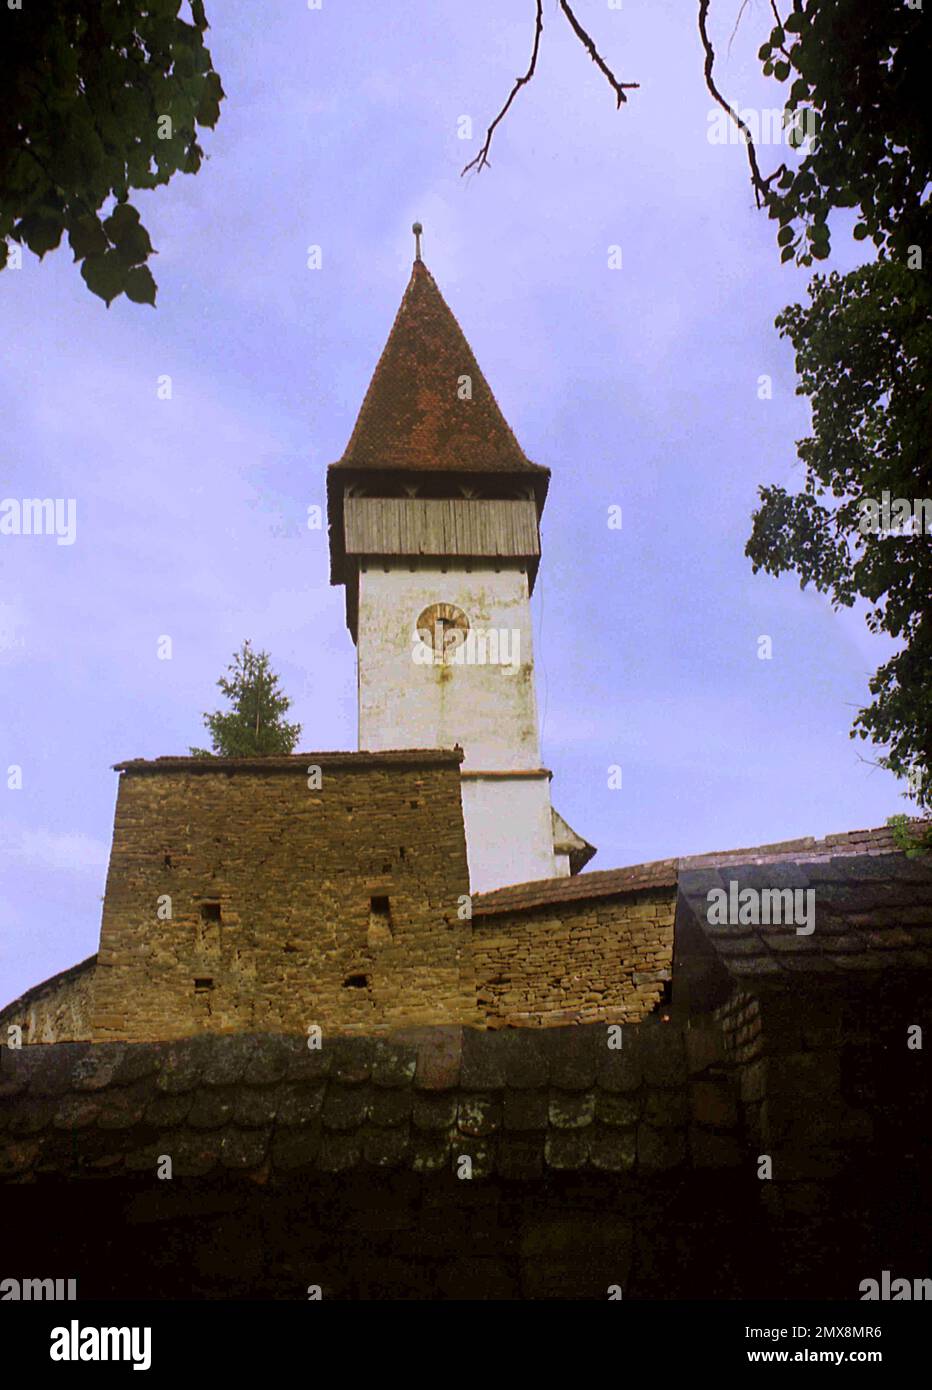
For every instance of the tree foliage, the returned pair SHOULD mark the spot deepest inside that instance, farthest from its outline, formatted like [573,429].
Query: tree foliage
[861,72]
[255,725]
[100,98]
[863,345]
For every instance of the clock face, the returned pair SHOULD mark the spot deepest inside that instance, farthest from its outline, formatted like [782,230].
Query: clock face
[443,627]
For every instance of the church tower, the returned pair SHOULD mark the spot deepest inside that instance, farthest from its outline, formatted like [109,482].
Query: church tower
[434,530]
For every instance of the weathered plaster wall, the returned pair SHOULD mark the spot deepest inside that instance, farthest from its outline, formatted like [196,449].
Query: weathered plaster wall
[489,710]
[509,835]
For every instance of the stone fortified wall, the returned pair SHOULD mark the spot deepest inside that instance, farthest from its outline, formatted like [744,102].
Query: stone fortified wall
[240,899]
[575,961]
[259,895]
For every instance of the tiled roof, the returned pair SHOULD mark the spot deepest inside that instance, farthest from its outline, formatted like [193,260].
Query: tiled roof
[869,912]
[296,762]
[412,416]
[517,1102]
[602,883]
[664,873]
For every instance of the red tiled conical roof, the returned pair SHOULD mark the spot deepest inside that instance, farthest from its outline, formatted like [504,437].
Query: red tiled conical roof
[413,417]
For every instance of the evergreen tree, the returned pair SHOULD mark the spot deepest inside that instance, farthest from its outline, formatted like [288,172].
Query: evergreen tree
[254,727]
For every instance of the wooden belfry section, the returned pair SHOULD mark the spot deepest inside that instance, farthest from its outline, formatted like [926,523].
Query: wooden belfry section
[430,430]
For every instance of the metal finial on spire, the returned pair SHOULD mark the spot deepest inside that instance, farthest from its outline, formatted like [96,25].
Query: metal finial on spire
[417,229]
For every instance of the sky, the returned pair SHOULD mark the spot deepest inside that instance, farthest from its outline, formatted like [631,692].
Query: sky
[640,387]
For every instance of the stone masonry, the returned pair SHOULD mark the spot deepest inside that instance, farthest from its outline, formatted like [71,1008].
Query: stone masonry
[240,897]
[607,959]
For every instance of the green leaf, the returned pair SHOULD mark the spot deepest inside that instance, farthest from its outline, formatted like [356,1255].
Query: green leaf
[787,253]
[121,222]
[140,286]
[208,111]
[860,231]
[87,237]
[104,275]
[781,71]
[134,246]
[784,236]
[87,83]
[41,231]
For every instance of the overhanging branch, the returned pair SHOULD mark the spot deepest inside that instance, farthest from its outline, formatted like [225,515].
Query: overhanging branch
[619,88]
[482,158]
[761,185]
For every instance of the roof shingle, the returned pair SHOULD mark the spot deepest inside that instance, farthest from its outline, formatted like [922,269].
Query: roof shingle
[413,415]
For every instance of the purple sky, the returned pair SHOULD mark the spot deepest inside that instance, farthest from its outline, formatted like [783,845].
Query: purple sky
[637,387]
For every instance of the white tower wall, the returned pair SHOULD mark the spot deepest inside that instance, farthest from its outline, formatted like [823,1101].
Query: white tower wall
[483,700]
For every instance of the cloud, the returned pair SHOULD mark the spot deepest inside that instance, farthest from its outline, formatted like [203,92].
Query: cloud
[70,850]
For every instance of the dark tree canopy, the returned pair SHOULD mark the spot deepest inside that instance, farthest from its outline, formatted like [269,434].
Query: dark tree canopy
[862,70]
[863,345]
[100,98]
[255,725]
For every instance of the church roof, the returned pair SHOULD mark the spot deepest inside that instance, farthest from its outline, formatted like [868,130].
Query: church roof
[413,417]
[667,873]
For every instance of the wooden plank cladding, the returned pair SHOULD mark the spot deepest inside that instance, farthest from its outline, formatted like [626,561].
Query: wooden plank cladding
[441,526]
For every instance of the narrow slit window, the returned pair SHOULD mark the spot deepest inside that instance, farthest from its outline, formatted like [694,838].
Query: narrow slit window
[210,912]
[380,921]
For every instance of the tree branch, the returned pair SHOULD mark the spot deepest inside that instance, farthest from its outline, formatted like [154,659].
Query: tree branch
[619,88]
[761,185]
[744,5]
[482,158]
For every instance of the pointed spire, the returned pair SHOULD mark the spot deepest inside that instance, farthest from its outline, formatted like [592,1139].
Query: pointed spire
[428,407]
[418,230]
